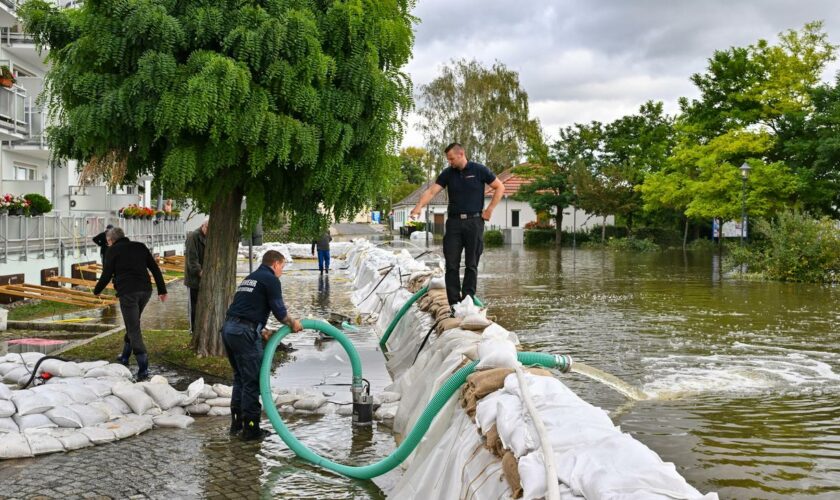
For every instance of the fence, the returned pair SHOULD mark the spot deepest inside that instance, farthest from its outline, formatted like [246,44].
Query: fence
[25,238]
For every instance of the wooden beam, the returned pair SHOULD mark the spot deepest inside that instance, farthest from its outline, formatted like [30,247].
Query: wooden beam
[62,295]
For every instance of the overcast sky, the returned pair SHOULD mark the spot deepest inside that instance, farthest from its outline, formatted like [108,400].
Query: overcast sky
[585,60]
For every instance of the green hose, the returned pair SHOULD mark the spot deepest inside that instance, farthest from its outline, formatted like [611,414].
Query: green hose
[414,437]
[404,309]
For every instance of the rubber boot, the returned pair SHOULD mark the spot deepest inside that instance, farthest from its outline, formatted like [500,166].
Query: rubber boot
[251,429]
[126,354]
[235,421]
[142,367]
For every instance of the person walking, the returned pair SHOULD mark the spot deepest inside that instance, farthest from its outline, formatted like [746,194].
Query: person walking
[466,215]
[102,242]
[129,263]
[243,334]
[323,246]
[194,265]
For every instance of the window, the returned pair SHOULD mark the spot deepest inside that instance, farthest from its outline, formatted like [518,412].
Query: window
[514,218]
[25,172]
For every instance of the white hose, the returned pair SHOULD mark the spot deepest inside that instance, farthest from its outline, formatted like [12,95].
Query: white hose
[553,488]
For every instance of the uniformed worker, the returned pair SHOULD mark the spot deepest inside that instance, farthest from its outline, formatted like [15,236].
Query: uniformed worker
[243,333]
[465,181]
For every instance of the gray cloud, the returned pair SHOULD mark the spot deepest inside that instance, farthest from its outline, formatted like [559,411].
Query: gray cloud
[585,60]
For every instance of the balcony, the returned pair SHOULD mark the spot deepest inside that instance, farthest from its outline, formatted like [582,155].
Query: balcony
[22,47]
[14,122]
[20,188]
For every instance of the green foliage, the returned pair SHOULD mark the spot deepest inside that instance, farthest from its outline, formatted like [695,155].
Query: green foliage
[797,247]
[482,108]
[536,237]
[701,245]
[631,244]
[493,238]
[416,165]
[38,204]
[294,104]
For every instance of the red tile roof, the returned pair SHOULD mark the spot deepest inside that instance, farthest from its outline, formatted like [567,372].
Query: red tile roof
[511,181]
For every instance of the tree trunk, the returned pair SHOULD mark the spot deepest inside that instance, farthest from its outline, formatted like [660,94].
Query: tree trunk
[218,278]
[685,234]
[604,230]
[558,228]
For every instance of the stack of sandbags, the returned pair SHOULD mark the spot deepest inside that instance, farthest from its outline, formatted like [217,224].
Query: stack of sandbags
[16,369]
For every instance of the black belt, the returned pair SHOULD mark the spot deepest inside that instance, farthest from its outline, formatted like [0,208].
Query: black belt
[247,322]
[470,215]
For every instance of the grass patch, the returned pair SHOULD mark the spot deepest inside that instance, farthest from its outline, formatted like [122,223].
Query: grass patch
[42,309]
[169,347]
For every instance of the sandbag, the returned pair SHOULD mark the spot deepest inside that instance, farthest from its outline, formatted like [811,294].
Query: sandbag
[5,392]
[117,404]
[386,411]
[7,408]
[496,353]
[176,410]
[285,399]
[218,411]
[15,374]
[41,442]
[59,368]
[219,402]
[207,392]
[8,366]
[164,395]
[177,421]
[475,322]
[223,391]
[57,398]
[28,402]
[135,398]
[71,439]
[493,443]
[90,365]
[110,370]
[198,409]
[81,394]
[194,391]
[36,421]
[100,387]
[510,469]
[310,403]
[447,324]
[107,409]
[98,434]
[14,445]
[89,414]
[130,425]
[7,424]
[63,416]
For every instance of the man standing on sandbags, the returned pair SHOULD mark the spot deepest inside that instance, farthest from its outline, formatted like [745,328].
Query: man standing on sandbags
[465,181]
[193,266]
[128,263]
[323,246]
[243,333]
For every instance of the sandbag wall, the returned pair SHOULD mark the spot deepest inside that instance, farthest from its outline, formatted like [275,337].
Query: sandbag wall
[484,443]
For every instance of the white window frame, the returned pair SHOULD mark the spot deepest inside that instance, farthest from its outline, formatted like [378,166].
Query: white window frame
[31,171]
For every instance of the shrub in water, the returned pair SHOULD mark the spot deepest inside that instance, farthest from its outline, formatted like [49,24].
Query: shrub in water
[493,238]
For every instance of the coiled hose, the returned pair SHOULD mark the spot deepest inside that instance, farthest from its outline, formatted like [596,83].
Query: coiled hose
[561,362]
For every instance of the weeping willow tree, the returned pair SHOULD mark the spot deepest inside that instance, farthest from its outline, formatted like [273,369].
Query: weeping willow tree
[293,104]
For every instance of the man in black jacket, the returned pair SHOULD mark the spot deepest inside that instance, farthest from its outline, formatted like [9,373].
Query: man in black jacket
[194,266]
[102,242]
[128,263]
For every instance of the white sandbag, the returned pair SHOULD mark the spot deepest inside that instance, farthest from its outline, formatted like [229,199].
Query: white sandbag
[89,415]
[36,421]
[63,416]
[193,392]
[286,409]
[130,425]
[117,404]
[310,403]
[223,391]
[207,392]
[107,409]
[90,365]
[285,399]
[495,353]
[218,402]
[386,411]
[71,439]
[101,387]
[30,358]
[15,374]
[154,412]
[386,397]
[109,370]
[41,442]
[475,322]
[326,409]
[345,410]
[59,368]
[7,408]
[8,366]
[81,394]
[5,392]
[14,445]
[198,409]
[7,424]
[28,402]
[98,434]
[177,421]
[164,395]
[135,398]
[159,379]
[57,398]
[437,284]
[466,307]
[176,410]
[217,411]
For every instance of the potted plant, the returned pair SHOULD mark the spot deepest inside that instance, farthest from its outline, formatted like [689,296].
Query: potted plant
[176,214]
[159,215]
[7,78]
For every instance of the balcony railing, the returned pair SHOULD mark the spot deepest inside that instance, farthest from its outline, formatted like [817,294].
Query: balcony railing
[20,188]
[14,37]
[13,115]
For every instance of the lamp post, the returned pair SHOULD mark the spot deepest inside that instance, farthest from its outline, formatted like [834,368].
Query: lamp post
[745,172]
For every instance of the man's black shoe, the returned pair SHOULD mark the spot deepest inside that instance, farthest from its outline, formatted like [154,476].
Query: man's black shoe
[251,430]
[235,422]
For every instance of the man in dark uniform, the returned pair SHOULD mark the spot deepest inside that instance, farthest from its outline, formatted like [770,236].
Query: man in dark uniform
[465,181]
[243,333]
[323,246]
[194,266]
[101,241]
[129,263]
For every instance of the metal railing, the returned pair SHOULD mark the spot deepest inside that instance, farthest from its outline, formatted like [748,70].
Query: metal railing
[25,238]
[14,37]
[13,114]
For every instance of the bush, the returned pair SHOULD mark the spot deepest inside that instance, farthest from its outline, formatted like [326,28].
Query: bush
[38,204]
[539,237]
[631,244]
[701,245]
[610,232]
[493,238]
[796,247]
[661,236]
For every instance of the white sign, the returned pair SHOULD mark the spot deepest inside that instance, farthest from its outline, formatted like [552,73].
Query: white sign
[731,229]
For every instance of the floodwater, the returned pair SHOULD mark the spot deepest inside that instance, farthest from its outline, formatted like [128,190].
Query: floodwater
[735,382]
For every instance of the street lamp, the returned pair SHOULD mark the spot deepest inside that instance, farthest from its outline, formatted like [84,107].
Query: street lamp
[745,172]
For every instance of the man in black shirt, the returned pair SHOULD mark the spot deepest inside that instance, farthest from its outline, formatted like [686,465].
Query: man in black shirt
[194,266]
[128,263]
[243,333]
[323,246]
[101,241]
[465,181]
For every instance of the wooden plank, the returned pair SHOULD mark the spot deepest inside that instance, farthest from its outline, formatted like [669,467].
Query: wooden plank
[52,294]
[48,290]
[76,281]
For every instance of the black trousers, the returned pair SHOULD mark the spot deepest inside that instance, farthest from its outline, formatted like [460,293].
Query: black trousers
[193,304]
[131,306]
[244,348]
[467,236]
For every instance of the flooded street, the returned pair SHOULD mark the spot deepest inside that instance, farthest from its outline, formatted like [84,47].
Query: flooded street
[738,381]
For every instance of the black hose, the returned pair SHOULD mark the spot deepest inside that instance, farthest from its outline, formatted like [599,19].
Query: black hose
[425,339]
[35,369]
[380,282]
